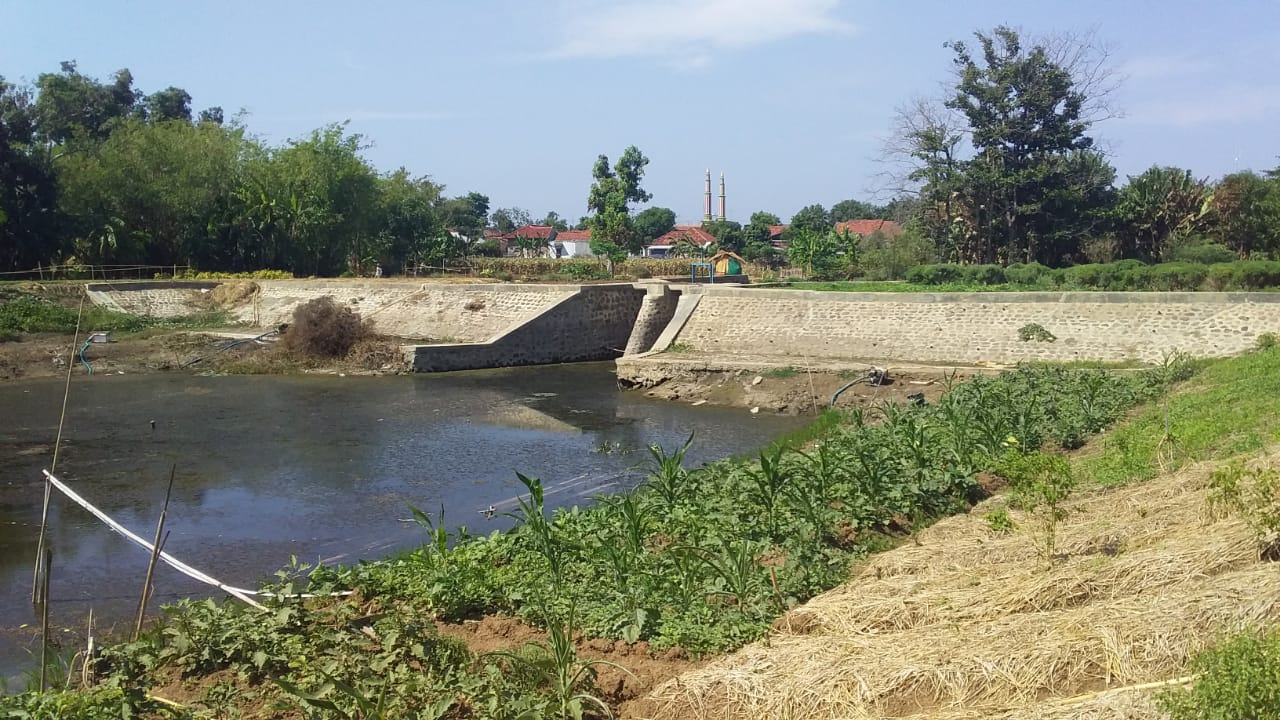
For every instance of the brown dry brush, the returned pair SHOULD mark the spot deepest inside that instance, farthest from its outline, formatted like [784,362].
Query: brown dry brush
[969,625]
[323,329]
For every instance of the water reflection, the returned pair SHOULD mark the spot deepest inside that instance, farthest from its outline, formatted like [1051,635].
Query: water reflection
[318,467]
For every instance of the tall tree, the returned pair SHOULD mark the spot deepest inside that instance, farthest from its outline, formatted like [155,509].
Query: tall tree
[1246,211]
[856,210]
[507,219]
[410,230]
[1157,206]
[73,106]
[553,219]
[172,103]
[613,232]
[467,214]
[812,218]
[1024,115]
[29,221]
[654,222]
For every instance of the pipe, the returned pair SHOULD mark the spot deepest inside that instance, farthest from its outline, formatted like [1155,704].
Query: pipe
[82,360]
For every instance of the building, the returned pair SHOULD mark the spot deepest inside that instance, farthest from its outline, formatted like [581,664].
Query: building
[571,244]
[862,228]
[664,246]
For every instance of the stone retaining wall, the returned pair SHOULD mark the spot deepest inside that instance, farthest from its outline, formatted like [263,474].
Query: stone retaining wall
[656,311]
[976,327]
[593,324]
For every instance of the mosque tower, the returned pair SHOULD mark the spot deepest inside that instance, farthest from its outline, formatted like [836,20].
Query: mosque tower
[706,215]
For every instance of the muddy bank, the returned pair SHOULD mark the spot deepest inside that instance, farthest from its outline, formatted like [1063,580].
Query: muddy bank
[43,355]
[785,389]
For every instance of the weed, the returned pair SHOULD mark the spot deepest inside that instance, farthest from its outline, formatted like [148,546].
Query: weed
[780,373]
[1234,681]
[1041,484]
[1000,522]
[1252,494]
[1035,331]
[1267,341]
[679,347]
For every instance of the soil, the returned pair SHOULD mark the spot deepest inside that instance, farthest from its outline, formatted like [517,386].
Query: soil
[785,390]
[37,356]
[622,691]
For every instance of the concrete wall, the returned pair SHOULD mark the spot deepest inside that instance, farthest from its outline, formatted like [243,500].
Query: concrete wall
[164,299]
[413,310]
[656,311]
[975,327]
[594,323]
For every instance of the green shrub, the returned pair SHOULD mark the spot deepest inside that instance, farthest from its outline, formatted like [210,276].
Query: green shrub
[1171,276]
[1238,680]
[1028,274]
[1204,253]
[1255,274]
[937,274]
[985,274]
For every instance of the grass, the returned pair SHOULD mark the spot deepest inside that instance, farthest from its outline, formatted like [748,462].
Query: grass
[31,315]
[780,373]
[1227,410]
[895,286]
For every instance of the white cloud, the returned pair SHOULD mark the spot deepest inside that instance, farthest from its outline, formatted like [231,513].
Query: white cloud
[687,33]
[1236,104]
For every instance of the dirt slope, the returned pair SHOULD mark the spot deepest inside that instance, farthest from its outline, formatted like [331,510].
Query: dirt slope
[971,623]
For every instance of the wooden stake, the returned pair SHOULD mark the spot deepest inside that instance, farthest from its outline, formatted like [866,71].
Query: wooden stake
[53,467]
[157,545]
[44,616]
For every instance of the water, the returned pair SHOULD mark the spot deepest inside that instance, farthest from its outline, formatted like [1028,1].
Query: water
[323,468]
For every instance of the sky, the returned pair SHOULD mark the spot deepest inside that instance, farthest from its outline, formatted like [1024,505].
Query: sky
[791,99]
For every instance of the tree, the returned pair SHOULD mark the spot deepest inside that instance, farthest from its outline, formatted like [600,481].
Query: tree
[211,115]
[1024,116]
[411,231]
[507,219]
[169,104]
[71,106]
[728,234]
[468,214]
[1156,206]
[1246,210]
[29,232]
[554,220]
[1002,166]
[652,223]
[812,218]
[856,210]
[613,232]
[766,219]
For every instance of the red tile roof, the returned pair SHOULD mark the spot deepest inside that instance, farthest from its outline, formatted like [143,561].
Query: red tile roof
[888,228]
[573,235]
[530,231]
[692,233]
[777,230]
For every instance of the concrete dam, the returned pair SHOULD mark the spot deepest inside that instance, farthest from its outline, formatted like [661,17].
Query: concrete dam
[458,326]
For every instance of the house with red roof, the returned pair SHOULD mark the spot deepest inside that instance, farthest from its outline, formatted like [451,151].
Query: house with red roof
[663,246]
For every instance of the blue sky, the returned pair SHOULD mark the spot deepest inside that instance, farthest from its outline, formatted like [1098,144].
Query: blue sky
[791,99]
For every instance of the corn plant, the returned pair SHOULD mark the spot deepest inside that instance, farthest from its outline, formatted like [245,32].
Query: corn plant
[668,479]
[531,514]
[768,482]
[735,567]
[554,664]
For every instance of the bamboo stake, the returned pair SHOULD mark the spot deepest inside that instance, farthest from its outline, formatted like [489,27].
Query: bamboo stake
[53,467]
[146,586]
[157,545]
[44,616]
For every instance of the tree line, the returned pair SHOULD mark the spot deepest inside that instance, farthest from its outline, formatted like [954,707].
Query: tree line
[100,173]
[1000,169]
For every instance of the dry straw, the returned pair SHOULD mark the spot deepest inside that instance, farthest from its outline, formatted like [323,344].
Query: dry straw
[969,624]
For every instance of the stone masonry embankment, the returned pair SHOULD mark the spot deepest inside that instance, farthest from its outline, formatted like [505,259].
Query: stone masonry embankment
[973,328]
[595,323]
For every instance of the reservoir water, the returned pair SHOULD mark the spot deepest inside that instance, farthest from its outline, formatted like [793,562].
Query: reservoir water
[318,467]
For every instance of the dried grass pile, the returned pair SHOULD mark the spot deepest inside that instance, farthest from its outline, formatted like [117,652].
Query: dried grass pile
[971,624]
